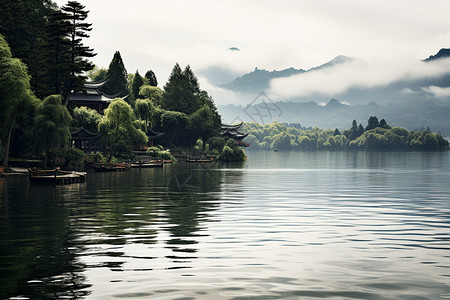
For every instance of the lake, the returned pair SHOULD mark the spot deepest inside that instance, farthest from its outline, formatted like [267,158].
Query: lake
[282,225]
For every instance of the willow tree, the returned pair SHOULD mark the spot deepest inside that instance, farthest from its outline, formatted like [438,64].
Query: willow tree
[52,125]
[16,99]
[119,123]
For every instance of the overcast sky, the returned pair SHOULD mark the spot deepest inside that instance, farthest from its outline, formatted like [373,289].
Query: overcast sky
[270,34]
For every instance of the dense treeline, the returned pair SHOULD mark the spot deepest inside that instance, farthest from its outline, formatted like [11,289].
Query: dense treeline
[59,64]
[376,136]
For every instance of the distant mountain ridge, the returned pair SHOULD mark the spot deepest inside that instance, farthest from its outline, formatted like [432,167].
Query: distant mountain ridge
[259,80]
[251,84]
[443,53]
[413,114]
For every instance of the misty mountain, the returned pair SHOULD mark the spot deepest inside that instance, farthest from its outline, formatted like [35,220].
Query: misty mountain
[259,80]
[399,90]
[412,114]
[443,53]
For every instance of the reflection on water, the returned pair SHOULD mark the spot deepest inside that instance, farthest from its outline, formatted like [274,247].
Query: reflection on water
[281,225]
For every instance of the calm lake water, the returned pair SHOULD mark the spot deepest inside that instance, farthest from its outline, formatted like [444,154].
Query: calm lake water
[284,225]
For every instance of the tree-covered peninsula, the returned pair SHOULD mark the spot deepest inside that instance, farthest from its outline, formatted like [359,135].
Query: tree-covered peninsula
[44,61]
[376,136]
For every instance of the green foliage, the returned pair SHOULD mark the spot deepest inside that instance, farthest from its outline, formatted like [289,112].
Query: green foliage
[278,136]
[204,123]
[372,123]
[119,124]
[175,124]
[158,153]
[181,91]
[52,123]
[87,118]
[98,74]
[232,152]
[151,78]
[216,143]
[73,158]
[116,83]
[143,109]
[136,85]
[76,14]
[153,93]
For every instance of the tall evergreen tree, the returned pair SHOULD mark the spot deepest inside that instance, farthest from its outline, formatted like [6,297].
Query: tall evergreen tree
[116,78]
[372,123]
[58,49]
[136,85]
[24,24]
[151,77]
[181,92]
[76,14]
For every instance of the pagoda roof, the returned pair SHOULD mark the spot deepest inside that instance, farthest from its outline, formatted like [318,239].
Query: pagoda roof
[83,134]
[154,134]
[89,97]
[233,134]
[231,127]
[94,84]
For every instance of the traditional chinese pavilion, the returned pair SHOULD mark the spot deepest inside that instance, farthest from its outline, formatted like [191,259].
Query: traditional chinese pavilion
[92,97]
[85,140]
[153,135]
[231,131]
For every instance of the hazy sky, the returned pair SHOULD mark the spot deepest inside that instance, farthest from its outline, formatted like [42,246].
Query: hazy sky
[270,34]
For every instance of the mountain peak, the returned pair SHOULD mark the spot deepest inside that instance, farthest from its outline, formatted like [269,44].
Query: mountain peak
[443,53]
[338,60]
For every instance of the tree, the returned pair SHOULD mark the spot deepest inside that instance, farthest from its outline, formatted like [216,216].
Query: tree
[98,74]
[384,125]
[120,127]
[175,124]
[151,77]
[181,91]
[76,14]
[372,123]
[87,118]
[116,82]
[16,98]
[24,24]
[153,93]
[144,110]
[52,124]
[203,124]
[337,132]
[136,85]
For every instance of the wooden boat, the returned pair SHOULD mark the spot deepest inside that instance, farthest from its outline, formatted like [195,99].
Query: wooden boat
[167,161]
[56,176]
[147,164]
[200,160]
[108,167]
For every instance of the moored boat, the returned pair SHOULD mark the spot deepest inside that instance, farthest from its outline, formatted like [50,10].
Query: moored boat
[56,176]
[147,164]
[108,167]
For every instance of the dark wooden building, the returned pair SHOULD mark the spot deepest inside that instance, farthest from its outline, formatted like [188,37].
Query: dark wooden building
[92,97]
[86,141]
[231,131]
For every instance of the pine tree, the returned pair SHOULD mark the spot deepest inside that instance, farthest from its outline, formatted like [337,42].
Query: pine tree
[58,49]
[151,77]
[136,85]
[116,82]
[372,123]
[181,92]
[76,14]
